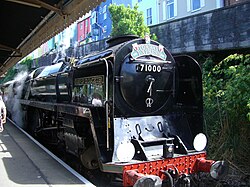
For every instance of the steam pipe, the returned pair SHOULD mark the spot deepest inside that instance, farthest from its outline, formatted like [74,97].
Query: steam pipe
[135,179]
[106,101]
[168,182]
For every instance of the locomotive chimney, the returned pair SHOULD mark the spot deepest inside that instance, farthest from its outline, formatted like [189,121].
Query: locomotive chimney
[120,39]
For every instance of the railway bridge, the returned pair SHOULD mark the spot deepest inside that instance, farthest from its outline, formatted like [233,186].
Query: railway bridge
[221,31]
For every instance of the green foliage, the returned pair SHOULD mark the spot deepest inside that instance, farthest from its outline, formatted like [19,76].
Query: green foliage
[9,76]
[126,20]
[227,107]
[229,82]
[24,65]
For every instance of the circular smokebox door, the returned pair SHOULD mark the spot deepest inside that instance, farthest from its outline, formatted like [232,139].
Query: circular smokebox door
[146,86]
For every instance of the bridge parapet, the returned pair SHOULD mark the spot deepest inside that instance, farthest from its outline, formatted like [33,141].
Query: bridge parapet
[226,28]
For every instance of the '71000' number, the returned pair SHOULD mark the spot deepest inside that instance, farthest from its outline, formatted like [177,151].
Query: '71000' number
[148,68]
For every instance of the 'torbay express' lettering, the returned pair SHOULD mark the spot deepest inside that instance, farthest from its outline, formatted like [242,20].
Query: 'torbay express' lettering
[148,49]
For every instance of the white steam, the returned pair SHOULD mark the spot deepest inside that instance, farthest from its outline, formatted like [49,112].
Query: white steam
[14,94]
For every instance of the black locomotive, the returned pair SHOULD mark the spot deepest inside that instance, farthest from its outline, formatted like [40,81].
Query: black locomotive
[133,110]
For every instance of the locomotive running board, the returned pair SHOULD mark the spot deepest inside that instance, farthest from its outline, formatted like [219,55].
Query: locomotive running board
[58,107]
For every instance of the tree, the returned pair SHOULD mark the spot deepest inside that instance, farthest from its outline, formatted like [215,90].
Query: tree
[23,66]
[127,20]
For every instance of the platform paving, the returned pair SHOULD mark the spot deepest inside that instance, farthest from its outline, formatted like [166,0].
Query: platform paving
[24,164]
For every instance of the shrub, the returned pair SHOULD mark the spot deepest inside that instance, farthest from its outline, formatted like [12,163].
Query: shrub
[227,108]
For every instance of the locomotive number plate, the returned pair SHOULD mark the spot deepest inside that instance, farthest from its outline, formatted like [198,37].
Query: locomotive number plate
[148,68]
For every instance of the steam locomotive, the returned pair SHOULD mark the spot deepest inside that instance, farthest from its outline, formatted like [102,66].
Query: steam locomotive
[132,110]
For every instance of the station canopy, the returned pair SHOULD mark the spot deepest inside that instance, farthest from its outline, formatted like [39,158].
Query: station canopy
[27,24]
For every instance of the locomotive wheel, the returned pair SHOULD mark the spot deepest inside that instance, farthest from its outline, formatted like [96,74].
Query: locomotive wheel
[89,158]
[33,119]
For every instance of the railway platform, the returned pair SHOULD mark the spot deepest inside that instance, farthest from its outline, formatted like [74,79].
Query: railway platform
[26,163]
